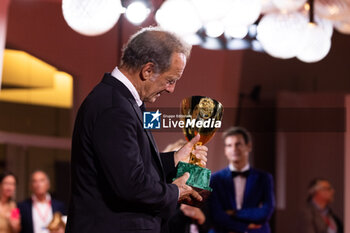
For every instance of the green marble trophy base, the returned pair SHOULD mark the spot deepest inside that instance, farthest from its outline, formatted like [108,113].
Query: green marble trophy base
[199,180]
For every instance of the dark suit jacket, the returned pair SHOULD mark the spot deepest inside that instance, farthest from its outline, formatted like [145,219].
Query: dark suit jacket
[25,208]
[118,176]
[311,221]
[258,202]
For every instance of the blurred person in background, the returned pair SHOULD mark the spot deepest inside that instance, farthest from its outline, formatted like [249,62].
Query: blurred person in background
[188,219]
[318,217]
[9,213]
[37,211]
[243,197]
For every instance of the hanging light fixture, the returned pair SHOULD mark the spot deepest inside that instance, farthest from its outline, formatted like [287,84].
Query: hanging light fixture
[343,26]
[211,10]
[267,6]
[332,9]
[236,31]
[137,12]
[289,5]
[281,34]
[214,28]
[241,14]
[168,17]
[91,17]
[317,41]
[316,44]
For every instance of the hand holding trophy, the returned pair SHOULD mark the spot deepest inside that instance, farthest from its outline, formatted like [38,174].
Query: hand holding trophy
[201,115]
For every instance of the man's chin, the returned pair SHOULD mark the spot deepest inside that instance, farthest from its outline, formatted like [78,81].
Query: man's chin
[152,99]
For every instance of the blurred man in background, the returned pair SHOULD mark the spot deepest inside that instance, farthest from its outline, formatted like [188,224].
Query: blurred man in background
[37,211]
[318,217]
[243,198]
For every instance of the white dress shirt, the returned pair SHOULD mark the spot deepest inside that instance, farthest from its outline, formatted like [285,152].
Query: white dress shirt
[41,214]
[122,78]
[239,183]
[193,228]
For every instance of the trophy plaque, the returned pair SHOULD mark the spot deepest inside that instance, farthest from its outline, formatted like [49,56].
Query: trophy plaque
[201,115]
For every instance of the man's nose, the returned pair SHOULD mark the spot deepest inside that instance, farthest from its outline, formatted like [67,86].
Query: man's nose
[170,88]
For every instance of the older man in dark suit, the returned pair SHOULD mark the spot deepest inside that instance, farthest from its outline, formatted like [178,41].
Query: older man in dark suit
[243,198]
[317,216]
[120,182]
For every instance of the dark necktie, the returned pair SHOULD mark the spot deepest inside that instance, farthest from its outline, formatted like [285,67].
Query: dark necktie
[244,174]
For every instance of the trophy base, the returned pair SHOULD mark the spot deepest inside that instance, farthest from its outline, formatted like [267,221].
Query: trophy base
[199,180]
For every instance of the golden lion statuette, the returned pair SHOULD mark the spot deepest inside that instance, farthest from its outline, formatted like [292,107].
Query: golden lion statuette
[201,115]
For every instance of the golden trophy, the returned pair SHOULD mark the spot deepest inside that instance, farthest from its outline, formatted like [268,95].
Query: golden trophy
[201,115]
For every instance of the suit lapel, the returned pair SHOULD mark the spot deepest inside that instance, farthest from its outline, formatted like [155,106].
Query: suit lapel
[108,79]
[251,179]
[229,186]
[149,134]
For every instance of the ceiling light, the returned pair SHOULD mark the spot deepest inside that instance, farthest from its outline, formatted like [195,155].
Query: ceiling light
[91,17]
[316,44]
[178,16]
[237,31]
[281,35]
[289,5]
[214,28]
[137,12]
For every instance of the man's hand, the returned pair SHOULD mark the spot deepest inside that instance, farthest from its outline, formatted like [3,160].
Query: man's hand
[193,212]
[184,153]
[186,192]
[231,212]
[253,226]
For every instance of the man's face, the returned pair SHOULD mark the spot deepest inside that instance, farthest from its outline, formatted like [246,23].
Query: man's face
[165,82]
[40,183]
[236,150]
[325,191]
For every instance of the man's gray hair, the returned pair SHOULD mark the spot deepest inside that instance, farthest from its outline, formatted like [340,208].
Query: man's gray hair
[154,45]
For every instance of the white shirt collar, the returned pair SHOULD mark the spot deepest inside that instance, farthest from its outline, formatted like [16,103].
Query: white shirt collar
[35,199]
[245,168]
[122,78]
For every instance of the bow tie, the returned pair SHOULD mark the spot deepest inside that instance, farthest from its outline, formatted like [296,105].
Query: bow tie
[244,174]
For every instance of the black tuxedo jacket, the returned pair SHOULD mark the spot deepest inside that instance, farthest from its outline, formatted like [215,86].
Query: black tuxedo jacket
[25,208]
[118,176]
[257,207]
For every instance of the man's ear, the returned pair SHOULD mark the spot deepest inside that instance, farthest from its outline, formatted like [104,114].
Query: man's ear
[147,71]
[250,146]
